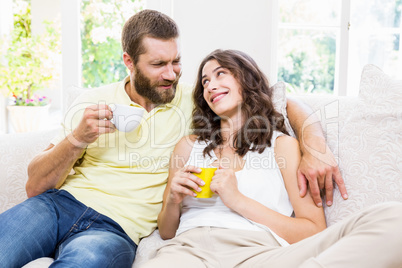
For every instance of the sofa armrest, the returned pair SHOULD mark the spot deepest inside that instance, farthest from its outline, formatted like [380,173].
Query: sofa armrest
[16,152]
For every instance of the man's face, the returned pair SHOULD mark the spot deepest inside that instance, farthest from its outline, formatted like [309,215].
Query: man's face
[157,71]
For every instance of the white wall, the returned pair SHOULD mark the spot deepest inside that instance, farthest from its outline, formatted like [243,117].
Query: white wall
[228,24]
[44,10]
[6,16]
[68,12]
[71,47]
[6,24]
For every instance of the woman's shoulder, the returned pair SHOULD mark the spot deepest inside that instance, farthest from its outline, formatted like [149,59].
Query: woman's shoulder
[191,139]
[285,144]
[287,148]
[284,139]
[182,151]
[185,144]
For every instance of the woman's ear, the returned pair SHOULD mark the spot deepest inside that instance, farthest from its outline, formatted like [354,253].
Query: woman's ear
[128,61]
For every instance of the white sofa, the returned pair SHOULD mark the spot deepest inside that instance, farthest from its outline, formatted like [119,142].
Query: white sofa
[365,134]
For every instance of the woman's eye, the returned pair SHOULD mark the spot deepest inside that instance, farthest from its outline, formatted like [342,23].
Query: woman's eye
[205,82]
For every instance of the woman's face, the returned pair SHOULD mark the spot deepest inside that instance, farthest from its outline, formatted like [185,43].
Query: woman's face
[222,91]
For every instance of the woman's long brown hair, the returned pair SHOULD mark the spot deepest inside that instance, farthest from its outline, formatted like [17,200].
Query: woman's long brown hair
[261,119]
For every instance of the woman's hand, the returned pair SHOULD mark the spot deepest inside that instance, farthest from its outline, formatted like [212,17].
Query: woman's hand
[224,183]
[182,183]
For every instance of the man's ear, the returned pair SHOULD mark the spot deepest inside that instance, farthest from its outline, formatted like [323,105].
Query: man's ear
[128,61]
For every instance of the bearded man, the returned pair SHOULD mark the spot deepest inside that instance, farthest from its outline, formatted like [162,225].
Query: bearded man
[95,192]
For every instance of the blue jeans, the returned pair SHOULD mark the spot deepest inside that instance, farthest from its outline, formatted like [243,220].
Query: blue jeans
[55,224]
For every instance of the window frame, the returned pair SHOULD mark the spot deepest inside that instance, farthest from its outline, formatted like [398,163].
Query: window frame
[342,44]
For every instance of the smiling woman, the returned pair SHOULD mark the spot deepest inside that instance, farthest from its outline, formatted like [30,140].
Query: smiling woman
[226,85]
[221,90]
[255,215]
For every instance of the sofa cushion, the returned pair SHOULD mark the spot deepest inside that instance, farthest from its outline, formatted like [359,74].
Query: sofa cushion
[16,151]
[279,100]
[370,146]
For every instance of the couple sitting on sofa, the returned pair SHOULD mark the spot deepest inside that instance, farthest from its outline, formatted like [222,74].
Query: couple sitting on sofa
[113,197]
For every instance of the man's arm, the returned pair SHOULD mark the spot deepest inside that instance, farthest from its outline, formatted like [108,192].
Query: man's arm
[317,166]
[50,168]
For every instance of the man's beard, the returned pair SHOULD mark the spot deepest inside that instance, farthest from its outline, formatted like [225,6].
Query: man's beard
[146,89]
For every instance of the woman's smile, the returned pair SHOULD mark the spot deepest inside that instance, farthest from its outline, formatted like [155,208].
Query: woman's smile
[218,96]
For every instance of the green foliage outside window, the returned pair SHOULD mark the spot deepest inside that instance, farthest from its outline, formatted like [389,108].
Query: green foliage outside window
[29,61]
[102,22]
[309,71]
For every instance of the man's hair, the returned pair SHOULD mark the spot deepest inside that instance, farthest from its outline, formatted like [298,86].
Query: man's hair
[146,23]
[261,119]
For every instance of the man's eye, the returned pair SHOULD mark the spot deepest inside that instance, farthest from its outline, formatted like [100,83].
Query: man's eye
[219,73]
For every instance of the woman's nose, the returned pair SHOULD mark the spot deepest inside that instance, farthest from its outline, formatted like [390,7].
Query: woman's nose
[211,86]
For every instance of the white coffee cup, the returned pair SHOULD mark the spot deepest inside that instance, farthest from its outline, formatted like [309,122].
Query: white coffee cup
[126,118]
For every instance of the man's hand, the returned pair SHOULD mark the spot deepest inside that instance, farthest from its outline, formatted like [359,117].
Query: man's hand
[94,122]
[317,167]
[320,170]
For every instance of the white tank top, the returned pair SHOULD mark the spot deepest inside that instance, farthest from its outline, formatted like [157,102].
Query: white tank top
[260,179]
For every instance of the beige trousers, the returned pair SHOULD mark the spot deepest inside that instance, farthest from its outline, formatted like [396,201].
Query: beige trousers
[371,238]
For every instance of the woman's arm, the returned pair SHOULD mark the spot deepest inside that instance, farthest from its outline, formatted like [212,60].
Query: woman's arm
[309,218]
[180,181]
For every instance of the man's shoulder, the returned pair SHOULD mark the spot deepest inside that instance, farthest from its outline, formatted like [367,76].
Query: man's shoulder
[108,89]
[183,94]
[183,99]
[102,93]
[185,87]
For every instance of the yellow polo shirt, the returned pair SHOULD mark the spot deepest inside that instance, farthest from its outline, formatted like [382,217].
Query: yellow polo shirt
[123,174]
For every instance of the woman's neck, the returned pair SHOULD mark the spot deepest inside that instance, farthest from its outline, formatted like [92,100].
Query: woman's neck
[229,128]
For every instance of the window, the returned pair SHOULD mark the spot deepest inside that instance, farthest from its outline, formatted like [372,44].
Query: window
[101,25]
[315,46]
[323,45]
[307,36]
[375,35]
